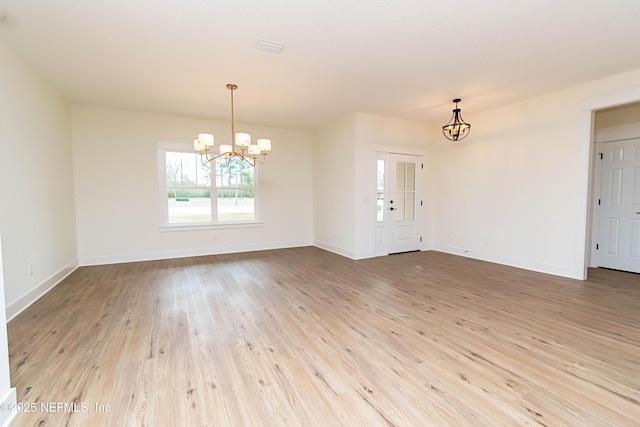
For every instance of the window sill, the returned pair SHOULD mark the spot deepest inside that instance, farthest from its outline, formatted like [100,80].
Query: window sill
[198,227]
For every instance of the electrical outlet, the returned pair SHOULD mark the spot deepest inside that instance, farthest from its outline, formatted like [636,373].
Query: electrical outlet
[30,269]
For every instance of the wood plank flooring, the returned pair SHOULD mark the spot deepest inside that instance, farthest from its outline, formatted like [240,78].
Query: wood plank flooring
[304,337]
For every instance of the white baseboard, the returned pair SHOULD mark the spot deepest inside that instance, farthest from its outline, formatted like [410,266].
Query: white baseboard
[335,249]
[9,401]
[32,296]
[540,267]
[364,255]
[185,253]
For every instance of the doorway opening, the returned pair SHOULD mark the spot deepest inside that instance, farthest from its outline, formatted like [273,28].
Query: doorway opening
[615,225]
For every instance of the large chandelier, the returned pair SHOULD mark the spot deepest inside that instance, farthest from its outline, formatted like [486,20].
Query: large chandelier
[456,129]
[247,151]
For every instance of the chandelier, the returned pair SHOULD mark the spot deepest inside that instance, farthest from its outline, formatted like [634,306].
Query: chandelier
[240,146]
[456,129]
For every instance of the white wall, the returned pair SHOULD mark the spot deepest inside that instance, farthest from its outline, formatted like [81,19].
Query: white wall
[37,217]
[117,200]
[515,191]
[334,186]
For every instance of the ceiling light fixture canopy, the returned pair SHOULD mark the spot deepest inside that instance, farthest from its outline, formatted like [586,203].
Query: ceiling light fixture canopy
[457,129]
[248,152]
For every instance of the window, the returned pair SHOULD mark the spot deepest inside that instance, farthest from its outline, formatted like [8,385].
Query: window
[235,190]
[194,193]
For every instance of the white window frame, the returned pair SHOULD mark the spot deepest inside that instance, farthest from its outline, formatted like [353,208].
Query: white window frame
[165,226]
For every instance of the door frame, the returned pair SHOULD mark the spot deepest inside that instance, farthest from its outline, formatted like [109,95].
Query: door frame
[588,153]
[597,195]
[387,150]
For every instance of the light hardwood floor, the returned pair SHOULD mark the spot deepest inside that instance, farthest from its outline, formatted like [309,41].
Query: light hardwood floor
[303,337]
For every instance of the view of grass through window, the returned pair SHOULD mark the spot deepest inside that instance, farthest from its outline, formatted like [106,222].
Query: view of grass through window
[190,188]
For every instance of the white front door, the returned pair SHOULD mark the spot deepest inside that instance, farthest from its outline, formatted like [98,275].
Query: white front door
[404,201]
[619,224]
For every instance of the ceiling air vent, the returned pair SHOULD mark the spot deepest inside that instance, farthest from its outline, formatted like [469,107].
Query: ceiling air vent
[268,46]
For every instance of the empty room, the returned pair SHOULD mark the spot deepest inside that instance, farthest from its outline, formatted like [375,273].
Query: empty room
[319,213]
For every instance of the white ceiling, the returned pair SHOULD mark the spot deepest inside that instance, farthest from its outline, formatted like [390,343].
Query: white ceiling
[403,58]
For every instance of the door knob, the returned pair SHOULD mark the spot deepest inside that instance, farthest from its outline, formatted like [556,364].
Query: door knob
[392,208]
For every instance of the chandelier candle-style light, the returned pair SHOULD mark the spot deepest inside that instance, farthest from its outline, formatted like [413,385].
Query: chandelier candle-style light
[248,152]
[456,129]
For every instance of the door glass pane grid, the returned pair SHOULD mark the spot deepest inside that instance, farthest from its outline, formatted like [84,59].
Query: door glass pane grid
[400,176]
[405,191]
[409,204]
[380,192]
[410,177]
[400,186]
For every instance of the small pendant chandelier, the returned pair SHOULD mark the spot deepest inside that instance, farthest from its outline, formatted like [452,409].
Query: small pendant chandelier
[457,129]
[248,152]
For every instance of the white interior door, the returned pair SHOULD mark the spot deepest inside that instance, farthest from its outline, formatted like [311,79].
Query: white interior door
[404,202]
[619,224]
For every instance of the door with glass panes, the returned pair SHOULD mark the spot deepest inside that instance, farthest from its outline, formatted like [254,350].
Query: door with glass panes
[398,204]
